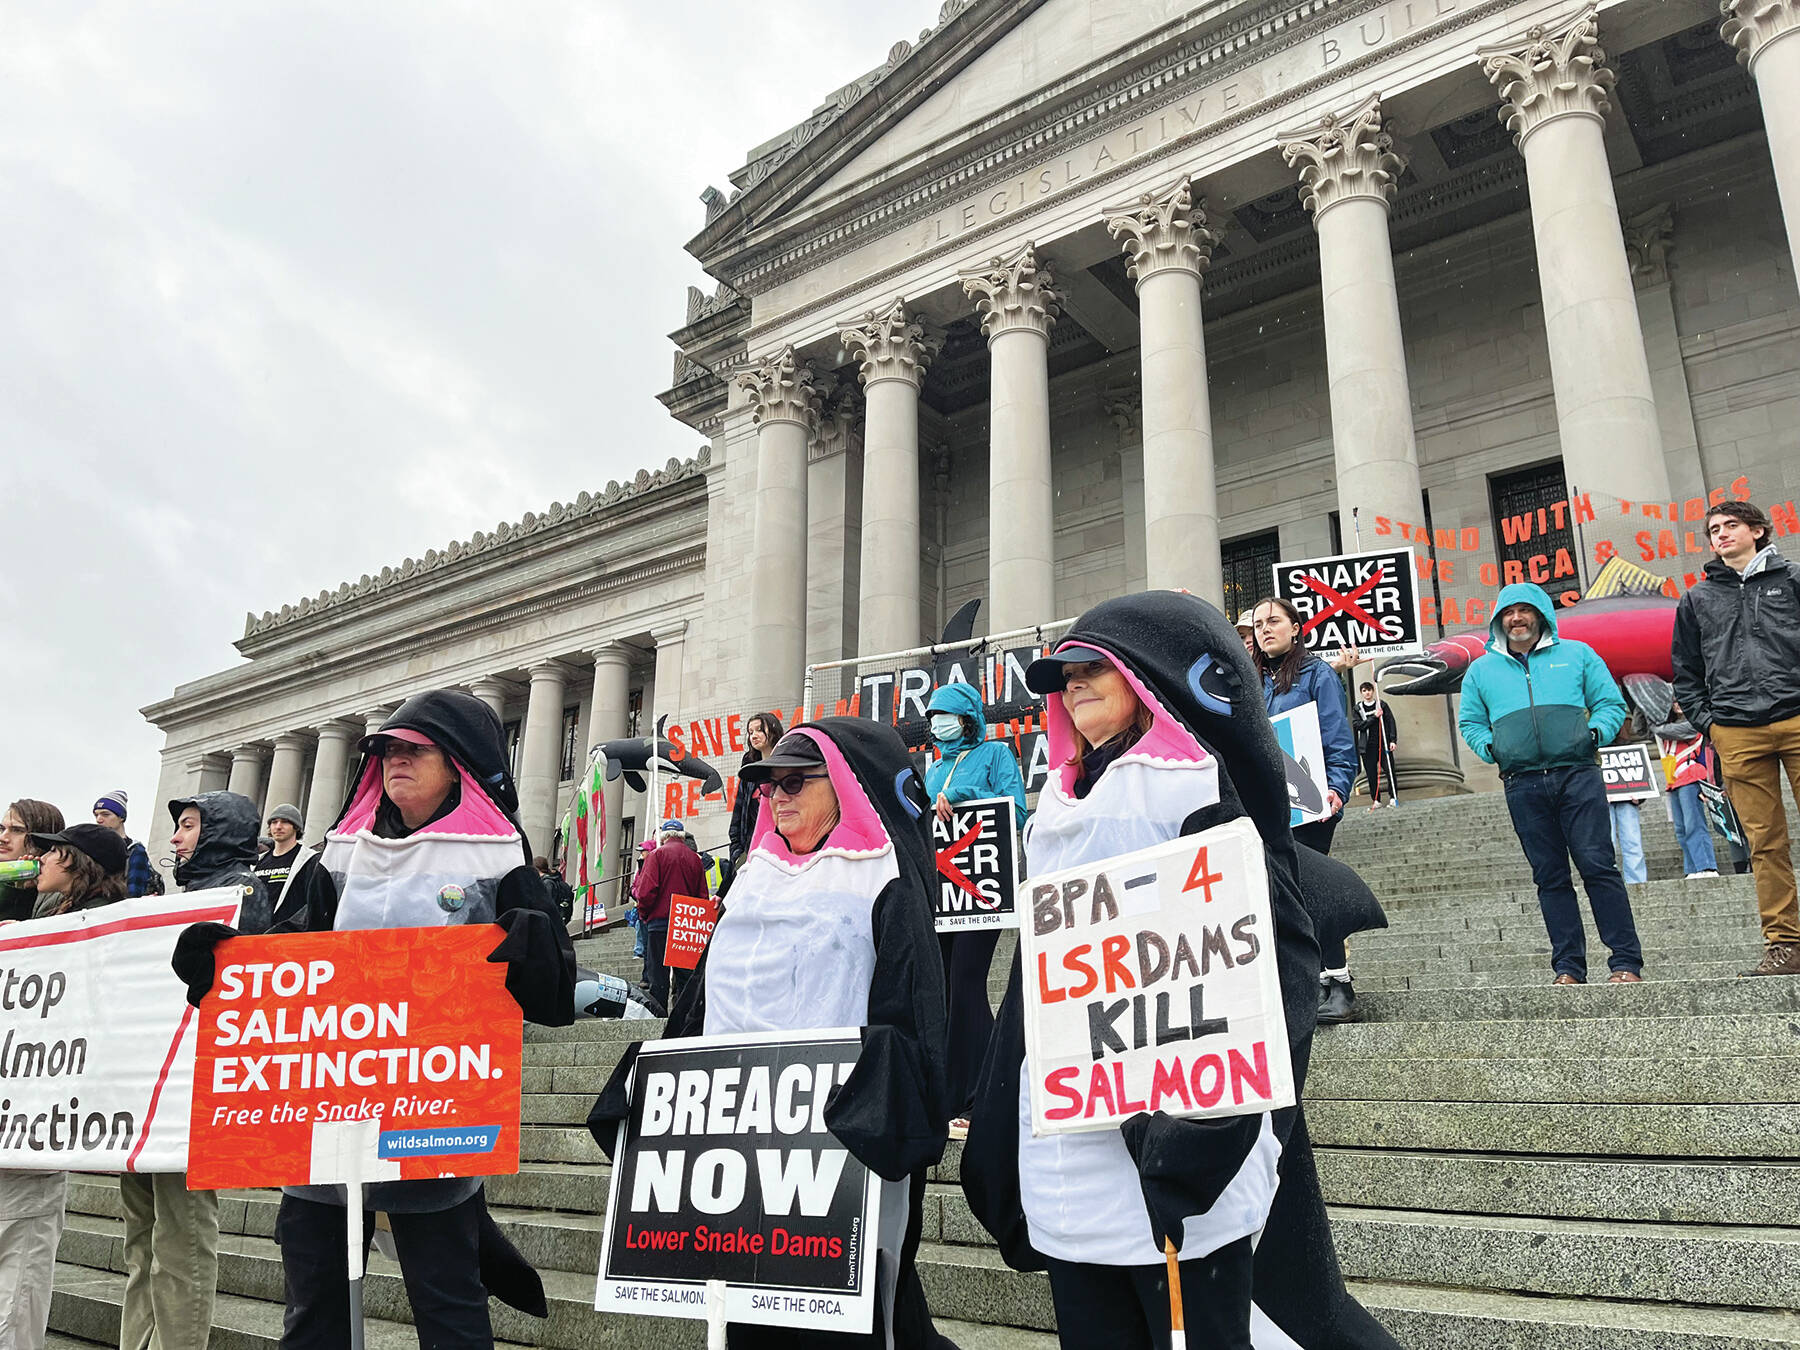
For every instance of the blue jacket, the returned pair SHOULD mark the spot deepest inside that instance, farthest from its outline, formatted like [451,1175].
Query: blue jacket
[1551,708]
[973,767]
[1318,683]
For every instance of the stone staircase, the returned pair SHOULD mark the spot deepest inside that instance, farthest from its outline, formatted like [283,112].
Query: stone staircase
[1510,1166]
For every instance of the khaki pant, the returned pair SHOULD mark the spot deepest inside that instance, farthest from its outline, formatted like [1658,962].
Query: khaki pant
[171,1262]
[1753,759]
[27,1269]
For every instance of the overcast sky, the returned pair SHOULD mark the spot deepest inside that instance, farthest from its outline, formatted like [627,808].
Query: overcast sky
[291,291]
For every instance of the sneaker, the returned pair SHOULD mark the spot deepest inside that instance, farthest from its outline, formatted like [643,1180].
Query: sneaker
[1337,1002]
[1782,958]
[1691,876]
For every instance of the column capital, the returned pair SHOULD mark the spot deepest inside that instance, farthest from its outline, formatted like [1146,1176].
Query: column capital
[549,669]
[1751,25]
[782,388]
[889,344]
[373,719]
[670,632]
[338,730]
[293,740]
[249,754]
[491,685]
[1648,235]
[1163,231]
[1343,156]
[1554,70]
[610,654]
[1014,294]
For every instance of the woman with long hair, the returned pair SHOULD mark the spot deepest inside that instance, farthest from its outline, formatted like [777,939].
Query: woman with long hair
[24,818]
[762,730]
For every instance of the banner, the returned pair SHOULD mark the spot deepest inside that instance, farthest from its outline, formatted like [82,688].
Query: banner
[1631,774]
[1363,600]
[978,865]
[724,1170]
[691,924]
[1303,749]
[1150,985]
[97,1057]
[584,839]
[382,1054]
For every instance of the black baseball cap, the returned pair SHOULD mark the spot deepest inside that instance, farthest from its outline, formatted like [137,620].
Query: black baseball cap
[95,841]
[1047,675]
[792,751]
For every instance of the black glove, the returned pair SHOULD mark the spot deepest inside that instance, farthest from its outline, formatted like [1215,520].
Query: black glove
[1184,1166]
[614,1102]
[540,979]
[192,961]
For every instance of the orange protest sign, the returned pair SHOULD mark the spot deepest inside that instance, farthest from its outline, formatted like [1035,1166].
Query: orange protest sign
[691,925]
[378,1055]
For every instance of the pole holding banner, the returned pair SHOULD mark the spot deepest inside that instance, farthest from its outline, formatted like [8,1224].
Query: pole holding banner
[1177,1322]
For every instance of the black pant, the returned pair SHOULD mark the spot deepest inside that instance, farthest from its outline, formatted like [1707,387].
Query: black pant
[1316,834]
[440,1260]
[656,974]
[1378,768]
[1127,1307]
[1562,812]
[967,956]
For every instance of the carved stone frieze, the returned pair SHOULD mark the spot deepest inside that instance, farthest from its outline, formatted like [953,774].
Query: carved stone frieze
[782,388]
[1163,231]
[1751,25]
[890,345]
[1554,70]
[1013,294]
[1344,156]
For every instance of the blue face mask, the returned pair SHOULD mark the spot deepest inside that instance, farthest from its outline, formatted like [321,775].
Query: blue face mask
[946,727]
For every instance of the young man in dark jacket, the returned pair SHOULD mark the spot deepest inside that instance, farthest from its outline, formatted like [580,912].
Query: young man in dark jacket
[1736,653]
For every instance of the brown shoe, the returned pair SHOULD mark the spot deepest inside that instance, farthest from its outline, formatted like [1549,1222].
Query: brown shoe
[1566,979]
[1782,958]
[1624,977]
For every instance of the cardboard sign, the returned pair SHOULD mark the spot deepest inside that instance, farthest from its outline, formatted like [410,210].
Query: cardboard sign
[691,924]
[725,1171]
[978,865]
[1363,600]
[1630,773]
[97,1055]
[378,1055]
[1150,985]
[1303,749]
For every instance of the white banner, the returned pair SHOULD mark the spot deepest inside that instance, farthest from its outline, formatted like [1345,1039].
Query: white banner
[97,1055]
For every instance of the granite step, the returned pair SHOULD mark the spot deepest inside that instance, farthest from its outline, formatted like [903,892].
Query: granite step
[1652,998]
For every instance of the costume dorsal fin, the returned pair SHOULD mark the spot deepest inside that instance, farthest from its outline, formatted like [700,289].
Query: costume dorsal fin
[1619,577]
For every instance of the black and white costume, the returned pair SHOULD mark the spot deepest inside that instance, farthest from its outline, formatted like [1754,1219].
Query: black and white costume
[841,936]
[1085,1204]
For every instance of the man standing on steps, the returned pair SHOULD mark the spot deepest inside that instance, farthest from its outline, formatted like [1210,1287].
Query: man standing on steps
[1736,653]
[1540,707]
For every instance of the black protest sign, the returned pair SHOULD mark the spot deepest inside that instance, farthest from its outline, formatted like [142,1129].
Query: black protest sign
[977,863]
[725,1171]
[1629,772]
[1363,600]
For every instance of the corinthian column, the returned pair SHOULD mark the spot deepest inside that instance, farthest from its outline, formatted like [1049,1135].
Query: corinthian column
[1553,84]
[785,406]
[893,353]
[1018,307]
[1755,28]
[1347,171]
[1168,247]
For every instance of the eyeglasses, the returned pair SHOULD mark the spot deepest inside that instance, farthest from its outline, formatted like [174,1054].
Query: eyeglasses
[399,749]
[788,785]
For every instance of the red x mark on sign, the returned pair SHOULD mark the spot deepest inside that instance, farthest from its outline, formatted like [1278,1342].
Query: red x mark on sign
[954,874]
[1341,604]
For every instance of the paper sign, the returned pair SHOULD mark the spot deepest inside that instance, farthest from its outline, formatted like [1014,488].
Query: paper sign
[691,923]
[376,1055]
[725,1171]
[1151,985]
[1629,772]
[977,864]
[1303,749]
[97,1056]
[1363,600]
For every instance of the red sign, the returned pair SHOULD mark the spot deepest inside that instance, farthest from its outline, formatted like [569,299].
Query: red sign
[691,924]
[381,1055]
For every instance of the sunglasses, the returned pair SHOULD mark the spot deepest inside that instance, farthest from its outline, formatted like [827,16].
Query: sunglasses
[788,785]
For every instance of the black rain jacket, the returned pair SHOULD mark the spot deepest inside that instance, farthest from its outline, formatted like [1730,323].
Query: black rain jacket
[1736,649]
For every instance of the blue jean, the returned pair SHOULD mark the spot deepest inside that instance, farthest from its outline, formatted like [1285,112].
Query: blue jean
[1559,813]
[1692,829]
[1628,839]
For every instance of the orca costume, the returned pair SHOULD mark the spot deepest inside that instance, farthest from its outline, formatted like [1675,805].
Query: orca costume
[841,936]
[1095,1208]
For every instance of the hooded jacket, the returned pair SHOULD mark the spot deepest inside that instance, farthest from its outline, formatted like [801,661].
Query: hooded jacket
[1553,707]
[226,853]
[1736,649]
[974,767]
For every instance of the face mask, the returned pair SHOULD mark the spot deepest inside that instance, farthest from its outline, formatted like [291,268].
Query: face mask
[946,727]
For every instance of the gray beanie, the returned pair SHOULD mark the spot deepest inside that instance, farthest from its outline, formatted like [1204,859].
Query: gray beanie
[291,814]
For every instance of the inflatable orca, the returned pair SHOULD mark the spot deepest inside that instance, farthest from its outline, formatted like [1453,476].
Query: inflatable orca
[638,755]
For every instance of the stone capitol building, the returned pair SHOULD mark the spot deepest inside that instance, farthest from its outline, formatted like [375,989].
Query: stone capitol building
[1069,298]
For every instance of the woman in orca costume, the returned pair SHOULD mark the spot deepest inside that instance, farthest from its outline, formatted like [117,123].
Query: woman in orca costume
[835,929]
[1239,1198]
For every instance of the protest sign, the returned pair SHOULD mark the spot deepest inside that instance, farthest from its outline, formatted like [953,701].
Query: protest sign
[1150,985]
[691,923]
[978,865]
[1363,600]
[1723,815]
[724,1170]
[1630,773]
[377,1055]
[1303,750]
[97,1059]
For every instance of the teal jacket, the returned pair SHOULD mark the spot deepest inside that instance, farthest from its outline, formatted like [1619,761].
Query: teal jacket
[1551,708]
[974,767]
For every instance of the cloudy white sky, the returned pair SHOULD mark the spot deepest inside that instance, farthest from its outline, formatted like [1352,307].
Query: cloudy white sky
[290,291]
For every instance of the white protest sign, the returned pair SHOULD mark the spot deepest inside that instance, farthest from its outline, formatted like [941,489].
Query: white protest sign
[1297,731]
[1364,600]
[1151,985]
[97,1059]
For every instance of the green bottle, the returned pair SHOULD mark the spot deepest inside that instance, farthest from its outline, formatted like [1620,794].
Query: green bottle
[19,869]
